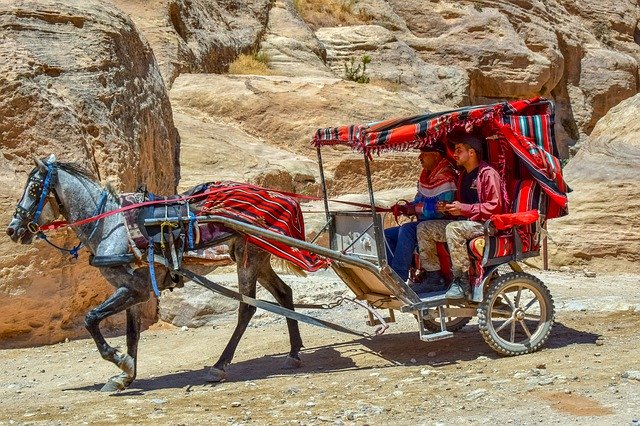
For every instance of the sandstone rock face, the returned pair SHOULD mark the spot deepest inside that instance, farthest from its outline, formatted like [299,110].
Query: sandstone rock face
[78,81]
[197,36]
[256,127]
[603,227]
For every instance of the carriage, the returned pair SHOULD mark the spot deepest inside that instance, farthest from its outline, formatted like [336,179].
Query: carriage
[515,309]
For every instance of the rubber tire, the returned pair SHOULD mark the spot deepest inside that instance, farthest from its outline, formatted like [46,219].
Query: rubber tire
[542,332]
[456,324]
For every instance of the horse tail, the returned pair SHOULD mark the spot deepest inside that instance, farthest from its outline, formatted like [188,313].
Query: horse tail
[286,267]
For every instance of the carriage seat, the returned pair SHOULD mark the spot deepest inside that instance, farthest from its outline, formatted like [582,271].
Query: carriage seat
[514,235]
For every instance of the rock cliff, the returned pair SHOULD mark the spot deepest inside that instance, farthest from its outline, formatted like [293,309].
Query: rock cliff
[76,80]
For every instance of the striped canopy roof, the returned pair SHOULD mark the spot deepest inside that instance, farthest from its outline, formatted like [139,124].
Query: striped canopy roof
[524,125]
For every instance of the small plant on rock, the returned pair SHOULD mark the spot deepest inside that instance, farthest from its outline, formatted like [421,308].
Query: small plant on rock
[357,73]
[253,63]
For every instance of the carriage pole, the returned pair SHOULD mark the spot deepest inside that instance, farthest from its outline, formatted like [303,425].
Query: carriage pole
[382,257]
[323,186]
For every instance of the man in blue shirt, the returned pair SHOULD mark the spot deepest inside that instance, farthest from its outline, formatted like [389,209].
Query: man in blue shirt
[437,183]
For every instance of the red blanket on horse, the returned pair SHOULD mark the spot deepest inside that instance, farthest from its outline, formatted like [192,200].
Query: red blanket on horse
[258,206]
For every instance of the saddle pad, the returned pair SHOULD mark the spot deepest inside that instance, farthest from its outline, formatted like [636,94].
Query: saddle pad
[243,202]
[261,207]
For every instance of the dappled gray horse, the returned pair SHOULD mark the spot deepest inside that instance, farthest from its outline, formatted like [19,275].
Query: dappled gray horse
[66,188]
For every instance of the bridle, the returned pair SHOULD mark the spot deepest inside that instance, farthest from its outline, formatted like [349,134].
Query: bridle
[43,190]
[40,189]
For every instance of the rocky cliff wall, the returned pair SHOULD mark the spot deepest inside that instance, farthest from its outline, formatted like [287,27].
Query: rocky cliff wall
[77,80]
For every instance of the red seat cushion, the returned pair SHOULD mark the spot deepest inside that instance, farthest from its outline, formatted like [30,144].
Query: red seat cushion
[526,195]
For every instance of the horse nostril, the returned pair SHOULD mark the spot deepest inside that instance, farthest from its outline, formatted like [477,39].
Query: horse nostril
[10,231]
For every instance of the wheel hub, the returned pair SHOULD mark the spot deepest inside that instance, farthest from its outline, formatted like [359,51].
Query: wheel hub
[519,314]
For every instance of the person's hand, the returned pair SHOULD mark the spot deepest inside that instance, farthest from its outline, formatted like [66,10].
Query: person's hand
[441,207]
[398,209]
[453,208]
[410,209]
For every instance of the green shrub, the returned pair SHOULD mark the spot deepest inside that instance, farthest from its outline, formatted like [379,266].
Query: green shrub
[357,73]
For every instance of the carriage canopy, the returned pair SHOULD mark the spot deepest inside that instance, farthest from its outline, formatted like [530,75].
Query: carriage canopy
[519,140]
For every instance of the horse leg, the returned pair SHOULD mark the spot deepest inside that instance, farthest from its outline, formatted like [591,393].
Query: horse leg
[247,277]
[283,294]
[123,298]
[130,360]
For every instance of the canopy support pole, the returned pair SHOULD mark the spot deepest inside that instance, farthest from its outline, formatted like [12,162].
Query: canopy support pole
[323,186]
[377,230]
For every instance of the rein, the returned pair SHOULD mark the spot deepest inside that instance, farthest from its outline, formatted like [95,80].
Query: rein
[59,224]
[74,250]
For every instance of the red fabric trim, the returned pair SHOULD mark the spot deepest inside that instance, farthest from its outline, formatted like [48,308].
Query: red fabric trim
[509,220]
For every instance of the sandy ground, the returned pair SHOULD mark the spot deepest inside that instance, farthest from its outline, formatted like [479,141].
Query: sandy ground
[588,372]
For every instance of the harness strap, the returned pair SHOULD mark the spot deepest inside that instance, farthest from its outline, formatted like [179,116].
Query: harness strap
[45,190]
[56,225]
[152,270]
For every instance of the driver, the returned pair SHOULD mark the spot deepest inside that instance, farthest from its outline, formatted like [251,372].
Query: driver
[477,199]
[436,184]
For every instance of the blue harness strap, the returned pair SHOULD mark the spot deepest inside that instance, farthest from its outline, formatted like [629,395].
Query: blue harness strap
[192,222]
[45,191]
[152,269]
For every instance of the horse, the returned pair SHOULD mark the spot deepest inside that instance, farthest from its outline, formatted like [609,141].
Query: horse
[69,189]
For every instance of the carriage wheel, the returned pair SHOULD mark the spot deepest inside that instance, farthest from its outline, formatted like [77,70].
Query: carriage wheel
[517,314]
[451,323]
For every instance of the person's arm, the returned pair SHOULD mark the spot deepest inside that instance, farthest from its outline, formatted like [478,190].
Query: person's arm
[426,208]
[489,195]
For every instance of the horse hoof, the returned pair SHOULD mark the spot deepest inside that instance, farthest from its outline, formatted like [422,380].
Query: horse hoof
[112,386]
[216,375]
[117,383]
[291,363]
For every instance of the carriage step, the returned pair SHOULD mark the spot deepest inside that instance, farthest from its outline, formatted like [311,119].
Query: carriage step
[433,299]
[431,337]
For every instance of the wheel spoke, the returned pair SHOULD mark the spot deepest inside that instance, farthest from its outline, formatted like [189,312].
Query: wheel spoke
[501,312]
[517,299]
[504,324]
[534,300]
[532,317]
[505,297]
[525,328]
[513,332]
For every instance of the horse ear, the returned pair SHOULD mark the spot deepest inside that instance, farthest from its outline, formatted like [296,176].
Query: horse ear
[40,165]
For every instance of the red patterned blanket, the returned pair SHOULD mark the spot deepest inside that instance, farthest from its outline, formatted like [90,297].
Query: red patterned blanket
[258,206]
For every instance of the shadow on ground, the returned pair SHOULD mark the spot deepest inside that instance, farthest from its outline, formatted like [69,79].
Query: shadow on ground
[389,350]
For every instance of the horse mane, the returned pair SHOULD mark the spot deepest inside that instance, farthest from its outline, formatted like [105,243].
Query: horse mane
[77,170]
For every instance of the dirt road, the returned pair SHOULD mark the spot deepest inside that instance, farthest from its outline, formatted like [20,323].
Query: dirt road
[588,373]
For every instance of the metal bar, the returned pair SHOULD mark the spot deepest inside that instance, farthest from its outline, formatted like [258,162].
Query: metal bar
[324,228]
[323,185]
[293,242]
[379,236]
[545,252]
[263,304]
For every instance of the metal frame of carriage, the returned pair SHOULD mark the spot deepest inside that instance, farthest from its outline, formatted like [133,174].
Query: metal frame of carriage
[510,323]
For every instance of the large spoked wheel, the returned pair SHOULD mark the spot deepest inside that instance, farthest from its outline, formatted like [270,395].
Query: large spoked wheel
[451,323]
[517,314]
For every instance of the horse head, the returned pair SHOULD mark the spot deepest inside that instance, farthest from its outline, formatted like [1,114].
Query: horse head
[33,209]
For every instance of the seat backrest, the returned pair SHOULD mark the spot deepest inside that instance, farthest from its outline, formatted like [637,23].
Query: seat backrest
[527,195]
